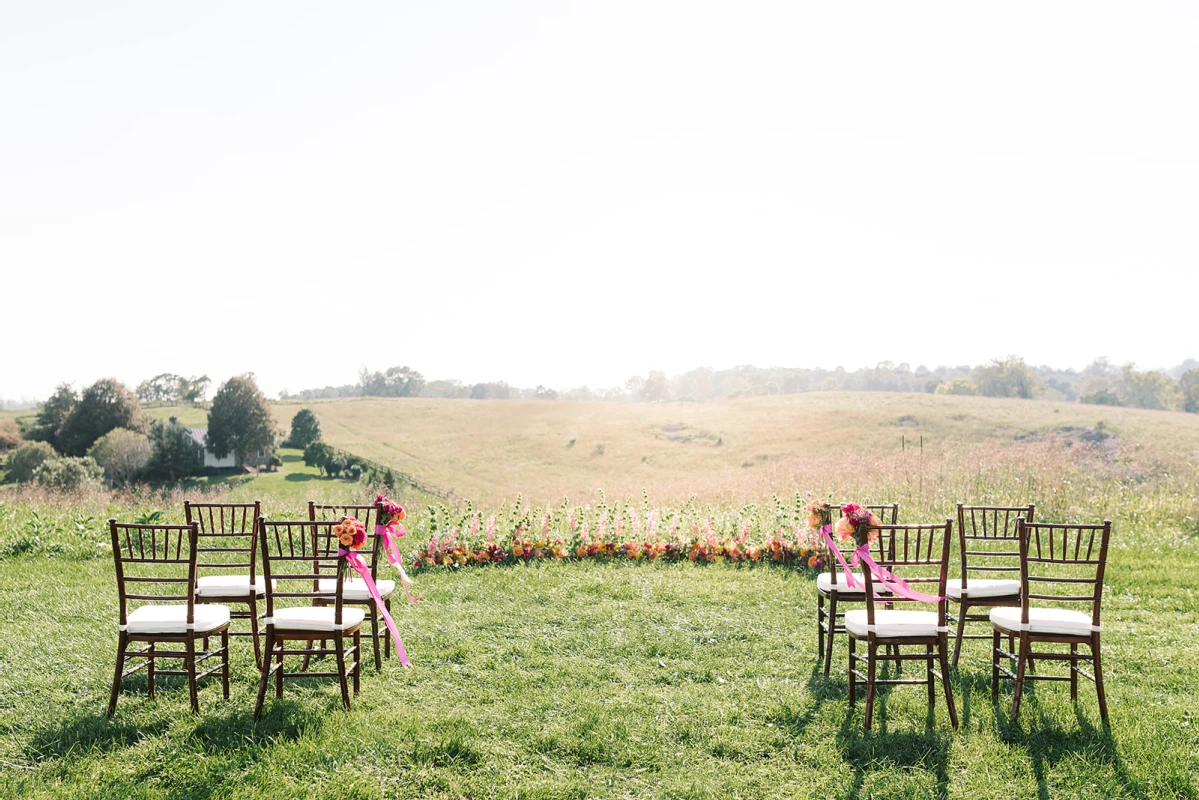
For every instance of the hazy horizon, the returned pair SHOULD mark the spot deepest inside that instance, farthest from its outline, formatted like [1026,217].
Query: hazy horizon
[565,193]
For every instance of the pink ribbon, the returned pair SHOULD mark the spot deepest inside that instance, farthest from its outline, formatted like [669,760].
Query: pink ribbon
[850,581]
[890,580]
[391,549]
[362,569]
[887,578]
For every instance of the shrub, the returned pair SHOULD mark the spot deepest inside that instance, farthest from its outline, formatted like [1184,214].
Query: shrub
[69,474]
[122,454]
[175,454]
[25,460]
[10,435]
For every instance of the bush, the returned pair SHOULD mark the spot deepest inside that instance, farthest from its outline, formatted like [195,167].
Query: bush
[10,435]
[24,461]
[175,453]
[122,454]
[69,474]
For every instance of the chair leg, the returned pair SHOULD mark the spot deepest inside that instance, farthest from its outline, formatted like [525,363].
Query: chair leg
[832,627]
[963,608]
[254,632]
[1021,665]
[819,627]
[387,635]
[1074,672]
[928,672]
[268,649]
[943,650]
[150,671]
[279,672]
[871,667]
[340,645]
[225,662]
[122,641]
[358,660]
[1098,663]
[190,658]
[995,665]
[375,636]
[853,678]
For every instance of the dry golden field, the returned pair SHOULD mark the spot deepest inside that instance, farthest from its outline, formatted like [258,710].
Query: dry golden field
[732,451]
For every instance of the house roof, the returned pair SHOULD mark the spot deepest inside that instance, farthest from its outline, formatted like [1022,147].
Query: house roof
[198,435]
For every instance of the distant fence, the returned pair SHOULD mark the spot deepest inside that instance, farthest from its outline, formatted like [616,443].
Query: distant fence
[399,475]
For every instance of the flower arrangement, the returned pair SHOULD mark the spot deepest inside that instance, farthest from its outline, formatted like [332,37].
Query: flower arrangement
[820,513]
[350,533]
[857,524]
[757,535]
[392,512]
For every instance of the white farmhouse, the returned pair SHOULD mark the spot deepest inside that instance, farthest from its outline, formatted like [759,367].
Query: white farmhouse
[229,461]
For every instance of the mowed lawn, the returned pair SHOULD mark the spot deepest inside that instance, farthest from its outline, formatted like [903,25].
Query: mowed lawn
[573,680]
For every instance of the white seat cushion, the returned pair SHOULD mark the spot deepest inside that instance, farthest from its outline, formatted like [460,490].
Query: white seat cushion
[173,619]
[307,618]
[229,586]
[983,587]
[824,583]
[889,623]
[355,588]
[1044,620]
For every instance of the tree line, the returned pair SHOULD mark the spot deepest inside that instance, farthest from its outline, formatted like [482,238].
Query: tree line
[1101,382]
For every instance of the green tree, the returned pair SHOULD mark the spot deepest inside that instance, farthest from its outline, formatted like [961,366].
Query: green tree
[1188,383]
[240,420]
[164,388]
[122,454]
[395,382]
[194,389]
[52,417]
[175,453]
[1150,389]
[305,429]
[317,455]
[1008,378]
[963,386]
[25,460]
[103,406]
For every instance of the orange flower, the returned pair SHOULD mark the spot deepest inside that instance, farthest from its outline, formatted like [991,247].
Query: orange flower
[812,561]
[346,538]
[581,551]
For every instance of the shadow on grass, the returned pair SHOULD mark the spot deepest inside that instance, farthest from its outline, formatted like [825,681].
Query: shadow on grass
[869,750]
[1048,743]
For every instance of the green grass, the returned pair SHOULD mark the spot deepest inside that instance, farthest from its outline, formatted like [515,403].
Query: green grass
[593,680]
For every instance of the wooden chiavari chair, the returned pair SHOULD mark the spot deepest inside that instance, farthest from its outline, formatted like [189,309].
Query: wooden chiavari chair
[904,548]
[988,545]
[1065,558]
[295,555]
[233,556]
[147,556]
[832,589]
[355,592]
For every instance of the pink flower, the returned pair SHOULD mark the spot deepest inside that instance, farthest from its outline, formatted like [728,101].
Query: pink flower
[359,538]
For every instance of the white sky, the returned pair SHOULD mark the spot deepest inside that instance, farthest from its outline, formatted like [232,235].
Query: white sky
[567,193]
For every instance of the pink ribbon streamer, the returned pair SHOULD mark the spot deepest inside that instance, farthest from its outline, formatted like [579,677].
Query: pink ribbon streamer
[893,582]
[362,569]
[391,549]
[888,579]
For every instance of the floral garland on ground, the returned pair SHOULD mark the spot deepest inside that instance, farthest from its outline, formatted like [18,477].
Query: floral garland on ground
[574,534]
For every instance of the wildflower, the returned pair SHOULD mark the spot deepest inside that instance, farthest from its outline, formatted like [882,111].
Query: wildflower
[812,561]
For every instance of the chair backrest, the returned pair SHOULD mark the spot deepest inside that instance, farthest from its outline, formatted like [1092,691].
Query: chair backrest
[227,535]
[1063,557]
[886,512]
[295,554]
[368,515]
[149,560]
[917,553]
[988,541]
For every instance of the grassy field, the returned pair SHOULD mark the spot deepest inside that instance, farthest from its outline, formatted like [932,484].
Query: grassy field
[734,451]
[573,679]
